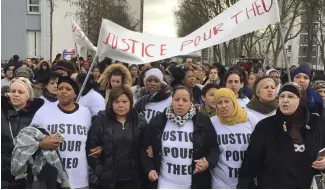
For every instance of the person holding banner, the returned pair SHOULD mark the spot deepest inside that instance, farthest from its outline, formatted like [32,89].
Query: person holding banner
[233,126]
[119,131]
[113,76]
[183,143]
[71,122]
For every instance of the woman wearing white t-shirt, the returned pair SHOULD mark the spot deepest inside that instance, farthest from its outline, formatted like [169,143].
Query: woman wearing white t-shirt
[234,127]
[264,102]
[50,87]
[73,122]
[159,97]
[183,143]
[234,81]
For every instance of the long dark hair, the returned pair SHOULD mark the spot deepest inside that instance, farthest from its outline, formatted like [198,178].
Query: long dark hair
[91,83]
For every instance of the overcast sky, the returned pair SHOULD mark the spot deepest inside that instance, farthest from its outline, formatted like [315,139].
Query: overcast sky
[158,16]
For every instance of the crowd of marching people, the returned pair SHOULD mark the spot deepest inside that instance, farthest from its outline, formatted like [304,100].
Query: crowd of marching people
[159,125]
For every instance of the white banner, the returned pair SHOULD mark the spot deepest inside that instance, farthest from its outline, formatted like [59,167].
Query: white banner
[131,47]
[80,38]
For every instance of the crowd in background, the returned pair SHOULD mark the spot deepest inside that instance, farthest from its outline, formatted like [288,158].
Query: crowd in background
[160,125]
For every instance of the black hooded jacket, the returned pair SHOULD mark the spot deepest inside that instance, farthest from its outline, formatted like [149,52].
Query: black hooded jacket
[18,120]
[272,160]
[102,133]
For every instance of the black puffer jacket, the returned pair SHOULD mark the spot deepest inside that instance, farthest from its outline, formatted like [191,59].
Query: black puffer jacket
[101,134]
[272,160]
[204,145]
[18,120]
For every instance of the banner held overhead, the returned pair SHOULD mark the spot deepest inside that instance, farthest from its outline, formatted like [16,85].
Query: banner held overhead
[131,47]
[80,38]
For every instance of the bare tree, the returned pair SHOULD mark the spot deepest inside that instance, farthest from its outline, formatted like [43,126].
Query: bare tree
[321,30]
[91,12]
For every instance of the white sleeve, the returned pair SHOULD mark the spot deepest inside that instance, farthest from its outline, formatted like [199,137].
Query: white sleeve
[97,105]
[38,118]
[252,119]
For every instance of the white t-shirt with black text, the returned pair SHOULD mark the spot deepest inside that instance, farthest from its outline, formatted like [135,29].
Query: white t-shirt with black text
[177,156]
[233,142]
[74,127]
[154,108]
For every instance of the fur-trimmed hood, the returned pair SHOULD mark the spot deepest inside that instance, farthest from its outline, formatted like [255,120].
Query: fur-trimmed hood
[44,61]
[103,79]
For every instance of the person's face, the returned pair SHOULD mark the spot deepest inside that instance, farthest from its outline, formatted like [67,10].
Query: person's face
[18,94]
[209,99]
[225,107]
[90,59]
[62,73]
[321,92]
[96,73]
[233,83]
[251,80]
[181,102]
[288,102]
[213,75]
[81,62]
[189,80]
[52,86]
[3,74]
[10,72]
[116,81]
[65,93]
[86,66]
[267,92]
[302,79]
[188,63]
[28,62]
[121,105]
[153,84]
[44,66]
[276,77]
[260,72]
[134,72]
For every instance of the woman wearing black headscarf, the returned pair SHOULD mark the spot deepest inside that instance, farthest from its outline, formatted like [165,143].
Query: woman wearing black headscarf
[283,148]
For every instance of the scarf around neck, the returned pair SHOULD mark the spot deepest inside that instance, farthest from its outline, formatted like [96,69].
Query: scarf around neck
[180,120]
[50,97]
[262,107]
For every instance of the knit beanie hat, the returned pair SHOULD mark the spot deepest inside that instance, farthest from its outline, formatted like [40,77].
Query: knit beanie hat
[26,84]
[71,82]
[63,65]
[297,90]
[303,68]
[25,72]
[319,84]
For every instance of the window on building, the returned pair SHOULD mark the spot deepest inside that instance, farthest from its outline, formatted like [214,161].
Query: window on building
[289,48]
[33,43]
[33,6]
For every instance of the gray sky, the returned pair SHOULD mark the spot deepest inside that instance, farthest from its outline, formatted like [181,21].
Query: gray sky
[158,16]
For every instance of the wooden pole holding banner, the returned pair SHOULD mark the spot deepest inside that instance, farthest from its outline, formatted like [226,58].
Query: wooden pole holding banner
[86,79]
[284,51]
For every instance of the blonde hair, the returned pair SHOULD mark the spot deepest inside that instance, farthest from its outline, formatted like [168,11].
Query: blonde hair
[26,83]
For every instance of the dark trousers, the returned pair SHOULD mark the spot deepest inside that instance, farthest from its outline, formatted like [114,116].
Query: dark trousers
[130,184]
